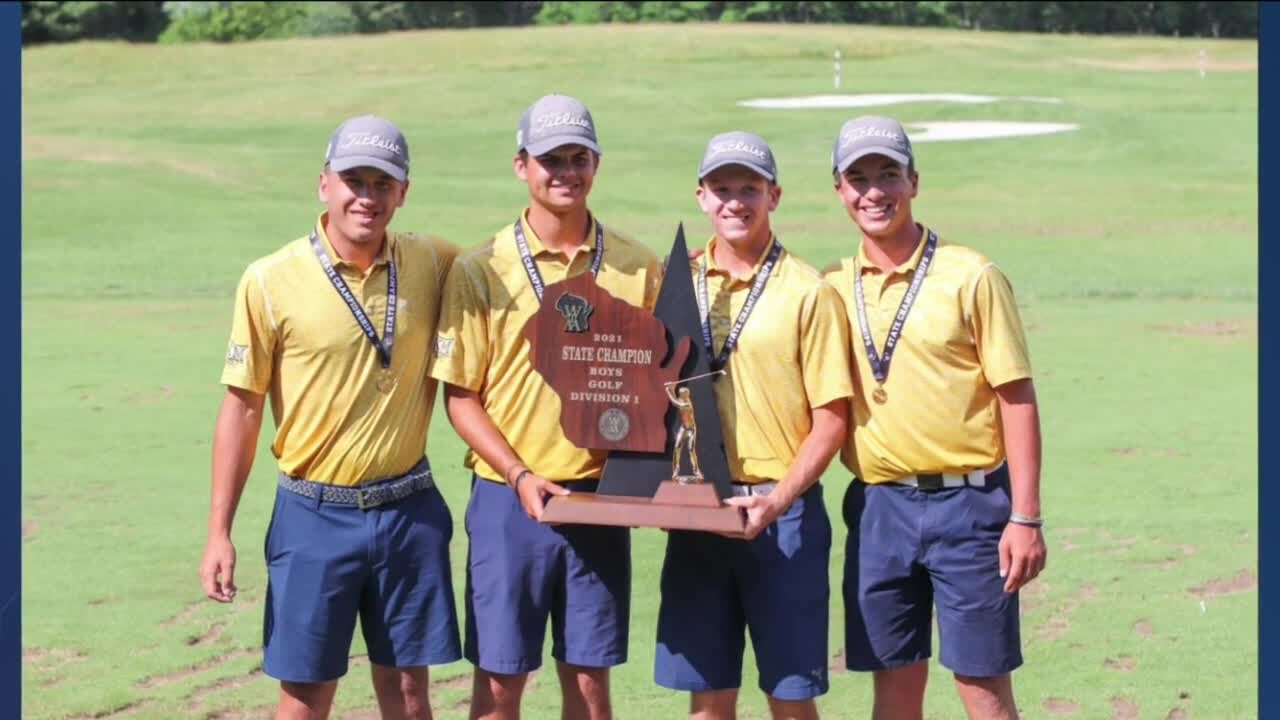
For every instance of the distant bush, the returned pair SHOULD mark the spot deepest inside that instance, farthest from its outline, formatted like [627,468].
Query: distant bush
[383,16]
[231,21]
[568,13]
[236,21]
[63,21]
[326,18]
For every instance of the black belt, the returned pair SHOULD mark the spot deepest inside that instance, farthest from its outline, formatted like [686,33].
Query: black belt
[932,482]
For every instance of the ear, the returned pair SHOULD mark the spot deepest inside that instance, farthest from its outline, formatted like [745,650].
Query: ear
[322,187]
[775,196]
[702,195]
[519,165]
[404,192]
[915,184]
[836,180]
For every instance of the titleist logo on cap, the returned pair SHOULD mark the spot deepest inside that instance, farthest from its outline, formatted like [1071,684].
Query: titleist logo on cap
[738,146]
[546,122]
[373,139]
[856,134]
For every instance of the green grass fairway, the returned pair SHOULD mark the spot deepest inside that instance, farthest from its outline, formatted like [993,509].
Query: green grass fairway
[153,175]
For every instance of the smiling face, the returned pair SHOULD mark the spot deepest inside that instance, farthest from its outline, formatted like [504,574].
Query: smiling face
[559,180]
[877,192]
[738,202]
[360,202]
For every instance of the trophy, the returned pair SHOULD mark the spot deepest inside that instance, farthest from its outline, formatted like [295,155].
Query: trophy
[637,385]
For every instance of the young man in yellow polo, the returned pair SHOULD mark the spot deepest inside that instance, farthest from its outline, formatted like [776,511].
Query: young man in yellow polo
[780,333]
[945,447]
[336,328]
[519,571]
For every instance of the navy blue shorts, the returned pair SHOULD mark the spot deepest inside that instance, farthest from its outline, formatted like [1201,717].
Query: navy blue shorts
[520,572]
[328,563]
[776,586]
[908,549]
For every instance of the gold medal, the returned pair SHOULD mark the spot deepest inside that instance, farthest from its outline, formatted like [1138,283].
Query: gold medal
[386,381]
[880,362]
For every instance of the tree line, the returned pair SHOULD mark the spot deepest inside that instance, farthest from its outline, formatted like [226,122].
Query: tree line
[46,22]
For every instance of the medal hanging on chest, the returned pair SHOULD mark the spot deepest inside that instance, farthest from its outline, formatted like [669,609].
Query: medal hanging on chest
[386,381]
[880,362]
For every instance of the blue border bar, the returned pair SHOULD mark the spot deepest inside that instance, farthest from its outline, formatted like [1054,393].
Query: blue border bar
[1268,212]
[11,392]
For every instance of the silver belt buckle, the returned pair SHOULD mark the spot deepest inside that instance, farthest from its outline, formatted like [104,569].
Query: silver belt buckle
[749,489]
[360,500]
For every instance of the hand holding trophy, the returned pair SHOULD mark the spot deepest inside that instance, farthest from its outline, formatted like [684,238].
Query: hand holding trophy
[611,363]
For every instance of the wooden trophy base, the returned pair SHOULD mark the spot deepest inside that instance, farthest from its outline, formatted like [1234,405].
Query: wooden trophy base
[675,506]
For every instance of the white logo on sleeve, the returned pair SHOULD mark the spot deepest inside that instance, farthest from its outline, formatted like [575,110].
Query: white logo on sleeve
[236,353]
[444,346]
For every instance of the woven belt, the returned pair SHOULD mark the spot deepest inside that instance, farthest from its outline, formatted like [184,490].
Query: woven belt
[364,496]
[745,489]
[940,481]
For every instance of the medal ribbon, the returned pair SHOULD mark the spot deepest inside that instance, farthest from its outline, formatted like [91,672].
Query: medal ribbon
[389,332]
[531,268]
[704,307]
[880,365]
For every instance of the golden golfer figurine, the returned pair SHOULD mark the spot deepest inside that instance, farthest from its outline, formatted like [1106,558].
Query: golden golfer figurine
[686,438]
[687,434]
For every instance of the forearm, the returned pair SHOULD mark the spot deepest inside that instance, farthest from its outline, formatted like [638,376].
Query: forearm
[235,442]
[478,431]
[1020,424]
[827,435]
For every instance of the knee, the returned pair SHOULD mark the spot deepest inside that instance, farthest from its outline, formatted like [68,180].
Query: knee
[405,689]
[793,709]
[503,691]
[715,704]
[305,701]
[906,682]
[993,684]
[989,697]
[397,681]
[592,681]
[413,687]
[590,686]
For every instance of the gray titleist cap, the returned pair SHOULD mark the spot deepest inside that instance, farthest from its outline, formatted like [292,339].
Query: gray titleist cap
[871,135]
[738,148]
[369,141]
[556,120]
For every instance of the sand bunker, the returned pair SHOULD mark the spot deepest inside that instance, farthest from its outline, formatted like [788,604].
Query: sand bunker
[927,131]
[981,130]
[876,100]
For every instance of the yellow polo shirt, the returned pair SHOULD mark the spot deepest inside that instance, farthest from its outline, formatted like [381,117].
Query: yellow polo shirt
[962,338]
[792,356]
[294,338]
[479,345]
